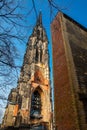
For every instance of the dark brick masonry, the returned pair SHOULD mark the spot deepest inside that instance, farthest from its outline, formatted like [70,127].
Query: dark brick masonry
[69,41]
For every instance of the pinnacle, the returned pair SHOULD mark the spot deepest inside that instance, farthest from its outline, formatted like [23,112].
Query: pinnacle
[39,20]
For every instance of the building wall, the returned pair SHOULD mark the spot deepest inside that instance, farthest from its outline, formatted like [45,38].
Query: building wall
[77,39]
[65,79]
[9,120]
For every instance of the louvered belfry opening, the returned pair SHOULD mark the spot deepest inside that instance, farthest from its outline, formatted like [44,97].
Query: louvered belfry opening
[36,105]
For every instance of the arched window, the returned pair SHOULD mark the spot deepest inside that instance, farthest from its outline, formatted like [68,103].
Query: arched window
[36,55]
[35,105]
[41,55]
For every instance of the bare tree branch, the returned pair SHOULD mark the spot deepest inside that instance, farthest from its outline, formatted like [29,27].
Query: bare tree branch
[10,35]
[34,8]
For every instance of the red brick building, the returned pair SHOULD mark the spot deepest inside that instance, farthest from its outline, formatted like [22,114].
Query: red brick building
[69,41]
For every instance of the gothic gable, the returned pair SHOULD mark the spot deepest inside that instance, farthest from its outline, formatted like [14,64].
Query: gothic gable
[38,77]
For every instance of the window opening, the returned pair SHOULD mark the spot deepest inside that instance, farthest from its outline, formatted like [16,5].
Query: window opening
[36,105]
[36,54]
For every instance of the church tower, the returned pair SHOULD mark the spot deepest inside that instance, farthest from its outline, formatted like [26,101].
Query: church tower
[29,104]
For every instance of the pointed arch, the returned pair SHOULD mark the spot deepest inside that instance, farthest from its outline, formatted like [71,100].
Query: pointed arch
[36,104]
[39,89]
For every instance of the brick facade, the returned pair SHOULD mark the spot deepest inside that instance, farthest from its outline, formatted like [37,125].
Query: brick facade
[67,48]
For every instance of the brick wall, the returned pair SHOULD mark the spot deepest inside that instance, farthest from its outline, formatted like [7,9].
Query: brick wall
[65,116]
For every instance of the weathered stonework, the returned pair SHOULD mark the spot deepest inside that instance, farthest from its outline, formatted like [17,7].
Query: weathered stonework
[29,104]
[69,41]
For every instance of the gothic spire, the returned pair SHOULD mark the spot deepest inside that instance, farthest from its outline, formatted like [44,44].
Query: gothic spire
[39,20]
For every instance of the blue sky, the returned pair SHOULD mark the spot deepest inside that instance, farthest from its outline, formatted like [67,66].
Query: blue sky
[76,9]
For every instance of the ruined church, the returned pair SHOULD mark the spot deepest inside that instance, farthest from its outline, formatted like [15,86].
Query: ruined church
[29,104]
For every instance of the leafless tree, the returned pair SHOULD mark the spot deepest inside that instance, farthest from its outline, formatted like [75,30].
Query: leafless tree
[11,34]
